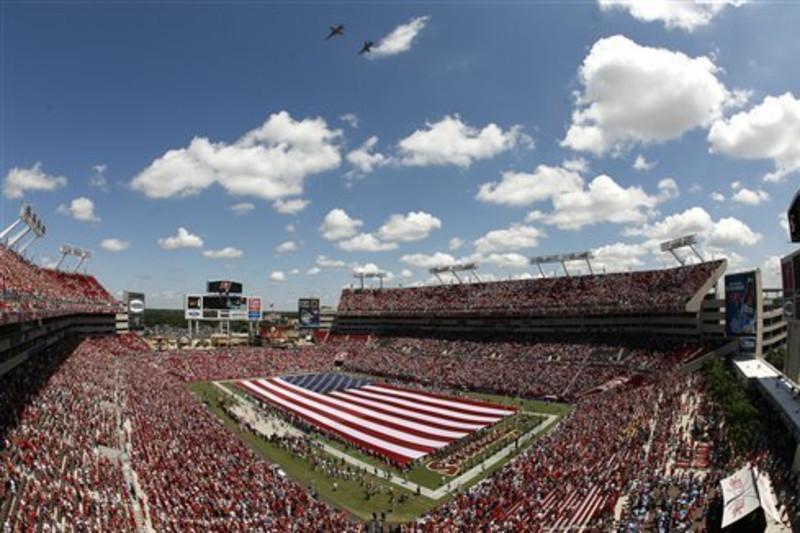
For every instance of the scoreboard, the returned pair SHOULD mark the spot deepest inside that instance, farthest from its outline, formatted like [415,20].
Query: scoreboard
[215,307]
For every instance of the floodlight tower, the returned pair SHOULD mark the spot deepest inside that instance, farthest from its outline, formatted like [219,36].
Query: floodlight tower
[454,269]
[563,259]
[687,241]
[32,223]
[84,255]
[81,254]
[64,250]
[380,275]
[24,212]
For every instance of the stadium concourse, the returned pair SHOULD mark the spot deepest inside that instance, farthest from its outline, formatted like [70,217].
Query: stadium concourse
[103,434]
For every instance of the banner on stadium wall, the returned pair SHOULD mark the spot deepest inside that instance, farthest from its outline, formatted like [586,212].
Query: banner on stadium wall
[134,303]
[742,305]
[254,309]
[308,310]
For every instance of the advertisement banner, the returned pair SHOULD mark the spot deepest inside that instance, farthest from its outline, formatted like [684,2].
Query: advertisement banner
[193,307]
[134,303]
[308,309]
[254,309]
[741,310]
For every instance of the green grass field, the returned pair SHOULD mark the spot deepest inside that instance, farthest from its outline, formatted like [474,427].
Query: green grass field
[350,495]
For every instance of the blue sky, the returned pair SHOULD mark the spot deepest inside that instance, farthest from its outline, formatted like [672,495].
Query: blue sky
[184,141]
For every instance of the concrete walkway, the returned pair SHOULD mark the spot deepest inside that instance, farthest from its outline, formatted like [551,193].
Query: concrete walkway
[268,426]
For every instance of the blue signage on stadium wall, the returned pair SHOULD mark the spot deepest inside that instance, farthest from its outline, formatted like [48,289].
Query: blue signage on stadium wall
[308,311]
[741,309]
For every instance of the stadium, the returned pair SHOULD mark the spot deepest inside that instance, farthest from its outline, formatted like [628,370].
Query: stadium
[421,267]
[593,402]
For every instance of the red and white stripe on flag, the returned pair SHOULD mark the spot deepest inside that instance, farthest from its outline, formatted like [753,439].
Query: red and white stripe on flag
[400,424]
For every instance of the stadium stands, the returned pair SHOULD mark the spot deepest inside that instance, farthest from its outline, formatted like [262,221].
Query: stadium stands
[28,292]
[653,291]
[103,434]
[555,370]
[644,453]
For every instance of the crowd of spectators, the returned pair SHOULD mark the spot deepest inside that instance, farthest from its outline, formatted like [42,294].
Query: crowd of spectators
[623,459]
[55,464]
[553,370]
[28,292]
[651,291]
[198,475]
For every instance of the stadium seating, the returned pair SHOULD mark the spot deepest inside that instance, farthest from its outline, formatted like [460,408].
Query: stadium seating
[644,454]
[653,291]
[29,292]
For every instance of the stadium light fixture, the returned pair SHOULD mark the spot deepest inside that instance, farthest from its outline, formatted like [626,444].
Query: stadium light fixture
[81,254]
[454,269]
[32,223]
[362,275]
[687,241]
[563,259]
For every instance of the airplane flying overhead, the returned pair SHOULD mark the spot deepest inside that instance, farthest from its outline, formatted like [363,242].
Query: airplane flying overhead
[336,30]
[367,47]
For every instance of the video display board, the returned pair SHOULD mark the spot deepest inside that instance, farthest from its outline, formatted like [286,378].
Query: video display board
[742,304]
[215,307]
[308,309]
[224,286]
[135,305]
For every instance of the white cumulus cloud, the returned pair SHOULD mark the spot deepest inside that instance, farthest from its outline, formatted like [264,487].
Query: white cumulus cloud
[635,94]
[747,196]
[80,209]
[290,207]
[286,247]
[643,164]
[366,242]
[182,239]
[428,260]
[364,160]
[326,262]
[19,180]
[452,142]
[414,226]
[339,225]
[767,131]
[277,276]
[603,200]
[719,234]
[351,119]
[114,245]
[517,237]
[271,161]
[242,208]
[684,14]
[225,253]
[520,188]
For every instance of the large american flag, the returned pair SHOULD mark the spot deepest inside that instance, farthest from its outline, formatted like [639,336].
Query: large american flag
[400,424]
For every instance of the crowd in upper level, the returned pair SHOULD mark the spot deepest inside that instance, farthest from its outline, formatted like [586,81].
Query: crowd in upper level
[28,292]
[651,291]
